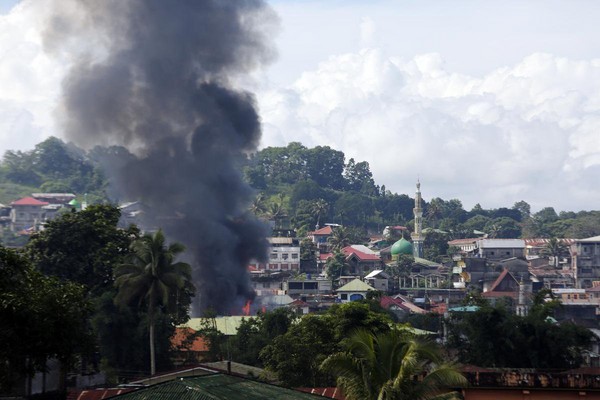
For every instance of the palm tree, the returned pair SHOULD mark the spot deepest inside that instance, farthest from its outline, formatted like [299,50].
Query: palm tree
[320,207]
[152,279]
[554,248]
[392,366]
[339,238]
[258,206]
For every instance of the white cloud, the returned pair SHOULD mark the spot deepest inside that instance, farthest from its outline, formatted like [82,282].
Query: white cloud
[484,115]
[29,79]
[528,131]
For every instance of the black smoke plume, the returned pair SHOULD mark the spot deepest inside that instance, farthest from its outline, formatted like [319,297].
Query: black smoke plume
[157,76]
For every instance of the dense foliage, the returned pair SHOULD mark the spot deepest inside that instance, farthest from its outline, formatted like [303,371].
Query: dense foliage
[310,187]
[532,341]
[52,166]
[42,318]
[384,366]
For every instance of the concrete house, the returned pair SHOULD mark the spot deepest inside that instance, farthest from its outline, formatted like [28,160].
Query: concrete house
[500,249]
[586,261]
[26,214]
[352,291]
[378,279]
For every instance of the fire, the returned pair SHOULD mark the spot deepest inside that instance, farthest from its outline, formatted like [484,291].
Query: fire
[246,308]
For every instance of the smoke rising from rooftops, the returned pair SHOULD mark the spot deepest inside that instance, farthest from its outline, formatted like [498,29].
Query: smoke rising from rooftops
[155,76]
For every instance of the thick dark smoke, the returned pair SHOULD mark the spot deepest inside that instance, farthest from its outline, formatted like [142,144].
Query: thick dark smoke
[157,79]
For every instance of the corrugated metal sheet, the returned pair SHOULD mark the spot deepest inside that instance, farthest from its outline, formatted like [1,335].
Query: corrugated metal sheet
[214,387]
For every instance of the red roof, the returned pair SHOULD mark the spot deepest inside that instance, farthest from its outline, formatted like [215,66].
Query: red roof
[96,394]
[327,230]
[29,201]
[298,303]
[348,251]
[181,335]
[325,256]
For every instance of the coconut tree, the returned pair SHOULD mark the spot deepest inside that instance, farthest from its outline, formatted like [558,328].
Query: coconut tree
[151,279]
[320,207]
[259,206]
[555,248]
[339,238]
[392,365]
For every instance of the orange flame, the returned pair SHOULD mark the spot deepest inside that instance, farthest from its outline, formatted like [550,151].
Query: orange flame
[246,308]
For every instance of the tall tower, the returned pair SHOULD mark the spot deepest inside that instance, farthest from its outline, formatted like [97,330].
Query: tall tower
[417,235]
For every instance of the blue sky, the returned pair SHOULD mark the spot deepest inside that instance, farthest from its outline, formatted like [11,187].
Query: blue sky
[6,5]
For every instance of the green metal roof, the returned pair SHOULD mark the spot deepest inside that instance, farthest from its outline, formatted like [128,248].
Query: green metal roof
[356,286]
[214,387]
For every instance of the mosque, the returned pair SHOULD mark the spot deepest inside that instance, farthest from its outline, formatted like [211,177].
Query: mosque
[423,273]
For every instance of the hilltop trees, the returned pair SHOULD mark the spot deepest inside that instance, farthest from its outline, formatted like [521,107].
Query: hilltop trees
[53,166]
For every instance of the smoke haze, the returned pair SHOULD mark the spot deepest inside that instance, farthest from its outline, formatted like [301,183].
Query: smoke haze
[156,77]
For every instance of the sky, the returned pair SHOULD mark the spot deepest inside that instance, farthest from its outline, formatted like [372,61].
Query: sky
[486,102]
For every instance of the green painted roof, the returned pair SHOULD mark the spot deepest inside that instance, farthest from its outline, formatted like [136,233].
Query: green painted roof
[402,246]
[356,286]
[225,325]
[74,203]
[214,387]
[425,262]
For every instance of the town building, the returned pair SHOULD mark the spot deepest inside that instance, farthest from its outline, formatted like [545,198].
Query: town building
[586,261]
[500,249]
[354,290]
[26,214]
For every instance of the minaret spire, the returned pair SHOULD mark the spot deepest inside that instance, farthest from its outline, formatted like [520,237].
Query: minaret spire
[417,235]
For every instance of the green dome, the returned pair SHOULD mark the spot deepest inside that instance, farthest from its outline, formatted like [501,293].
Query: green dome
[74,203]
[402,246]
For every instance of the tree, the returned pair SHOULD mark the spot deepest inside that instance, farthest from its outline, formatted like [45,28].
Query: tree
[257,332]
[336,265]
[503,227]
[359,178]
[153,279]
[82,247]
[259,206]
[296,356]
[554,248]
[325,166]
[320,207]
[385,366]
[42,317]
[534,341]
[524,208]
[435,246]
[339,238]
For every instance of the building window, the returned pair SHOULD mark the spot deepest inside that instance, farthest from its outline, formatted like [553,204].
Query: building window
[294,256]
[284,256]
[272,266]
[344,296]
[274,256]
[295,266]
[285,266]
